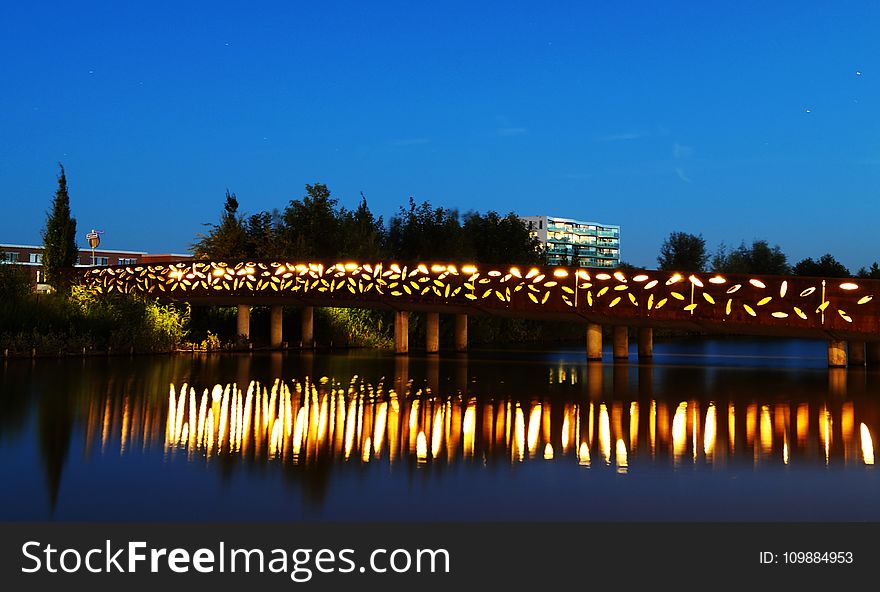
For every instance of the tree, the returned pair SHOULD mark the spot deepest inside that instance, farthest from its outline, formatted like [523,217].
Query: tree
[59,236]
[872,273]
[363,235]
[826,266]
[425,233]
[311,225]
[491,238]
[760,258]
[261,236]
[226,240]
[683,252]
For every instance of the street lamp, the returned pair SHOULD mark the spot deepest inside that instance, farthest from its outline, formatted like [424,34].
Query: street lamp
[94,238]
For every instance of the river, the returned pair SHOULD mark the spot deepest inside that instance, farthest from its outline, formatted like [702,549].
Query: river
[711,430]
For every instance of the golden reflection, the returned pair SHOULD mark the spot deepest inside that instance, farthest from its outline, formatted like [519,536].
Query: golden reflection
[620,456]
[566,427]
[731,427]
[867,444]
[803,423]
[766,430]
[304,421]
[709,432]
[421,448]
[679,431]
[519,430]
[633,424]
[604,434]
[584,455]
[534,426]
[825,418]
[469,428]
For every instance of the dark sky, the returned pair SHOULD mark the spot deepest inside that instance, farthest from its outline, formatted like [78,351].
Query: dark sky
[737,120]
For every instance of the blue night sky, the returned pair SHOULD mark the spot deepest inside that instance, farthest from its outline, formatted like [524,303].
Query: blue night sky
[737,120]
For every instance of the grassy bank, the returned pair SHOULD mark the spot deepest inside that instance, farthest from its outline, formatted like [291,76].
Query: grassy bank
[56,324]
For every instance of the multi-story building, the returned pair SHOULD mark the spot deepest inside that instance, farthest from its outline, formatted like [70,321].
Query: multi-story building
[31,256]
[576,243]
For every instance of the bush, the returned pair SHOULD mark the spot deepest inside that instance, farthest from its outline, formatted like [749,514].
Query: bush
[56,323]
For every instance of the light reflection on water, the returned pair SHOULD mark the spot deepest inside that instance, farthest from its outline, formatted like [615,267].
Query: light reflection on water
[360,434]
[301,421]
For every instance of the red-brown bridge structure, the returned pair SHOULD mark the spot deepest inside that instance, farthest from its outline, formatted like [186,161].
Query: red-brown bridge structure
[845,312]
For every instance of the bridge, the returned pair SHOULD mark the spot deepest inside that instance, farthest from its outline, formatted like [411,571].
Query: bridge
[842,311]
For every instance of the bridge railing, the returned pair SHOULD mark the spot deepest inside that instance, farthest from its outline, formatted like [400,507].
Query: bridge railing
[842,308]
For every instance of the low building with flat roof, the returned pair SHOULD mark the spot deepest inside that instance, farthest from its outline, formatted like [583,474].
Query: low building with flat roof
[31,257]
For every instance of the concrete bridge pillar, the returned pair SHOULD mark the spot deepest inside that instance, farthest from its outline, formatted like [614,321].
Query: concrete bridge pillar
[646,343]
[621,342]
[836,353]
[594,341]
[872,353]
[855,351]
[401,332]
[276,326]
[432,332]
[461,330]
[243,321]
[308,327]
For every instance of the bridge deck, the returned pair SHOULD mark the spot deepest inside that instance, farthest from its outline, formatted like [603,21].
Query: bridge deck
[743,304]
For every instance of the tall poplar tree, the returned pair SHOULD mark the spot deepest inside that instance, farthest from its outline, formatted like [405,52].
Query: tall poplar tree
[59,236]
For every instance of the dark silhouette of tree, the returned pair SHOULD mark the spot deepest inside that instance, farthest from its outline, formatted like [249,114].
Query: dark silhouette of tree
[226,240]
[363,235]
[682,251]
[760,258]
[262,240]
[311,225]
[491,238]
[59,237]
[423,232]
[871,273]
[826,266]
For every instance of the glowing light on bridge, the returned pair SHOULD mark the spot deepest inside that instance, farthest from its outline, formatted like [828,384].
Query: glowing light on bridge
[372,284]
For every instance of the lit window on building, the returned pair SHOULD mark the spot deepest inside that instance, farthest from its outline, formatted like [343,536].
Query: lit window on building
[102,260]
[36,258]
[127,261]
[9,257]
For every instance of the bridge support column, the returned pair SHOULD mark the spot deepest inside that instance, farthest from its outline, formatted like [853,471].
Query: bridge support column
[594,341]
[836,353]
[872,353]
[276,325]
[308,327]
[401,332]
[646,343]
[243,321]
[461,328]
[621,342]
[432,332]
[855,351]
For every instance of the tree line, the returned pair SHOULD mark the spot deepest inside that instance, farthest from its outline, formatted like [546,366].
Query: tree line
[315,226]
[682,251]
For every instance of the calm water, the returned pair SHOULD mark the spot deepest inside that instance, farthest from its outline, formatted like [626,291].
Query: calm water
[712,430]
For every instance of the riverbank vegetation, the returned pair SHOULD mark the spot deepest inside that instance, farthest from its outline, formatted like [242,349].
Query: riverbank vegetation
[79,321]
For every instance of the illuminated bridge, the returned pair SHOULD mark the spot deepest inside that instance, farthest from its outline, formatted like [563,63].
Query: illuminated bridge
[842,311]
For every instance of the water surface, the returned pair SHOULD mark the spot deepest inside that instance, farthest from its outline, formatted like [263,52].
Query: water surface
[731,429]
